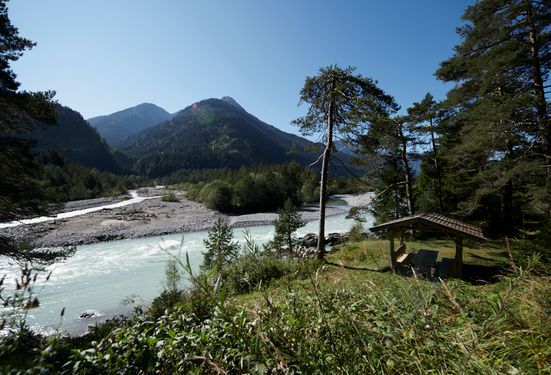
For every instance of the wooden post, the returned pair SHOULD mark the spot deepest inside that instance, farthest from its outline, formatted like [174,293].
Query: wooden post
[458,262]
[392,260]
[402,235]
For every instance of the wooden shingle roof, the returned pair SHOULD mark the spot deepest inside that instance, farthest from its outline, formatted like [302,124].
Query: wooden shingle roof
[432,221]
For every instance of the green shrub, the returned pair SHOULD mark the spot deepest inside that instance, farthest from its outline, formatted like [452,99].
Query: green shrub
[288,221]
[221,249]
[217,195]
[16,349]
[249,271]
[171,294]
[357,232]
[165,301]
[170,197]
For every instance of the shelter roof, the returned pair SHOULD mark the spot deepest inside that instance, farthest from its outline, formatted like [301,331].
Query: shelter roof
[430,221]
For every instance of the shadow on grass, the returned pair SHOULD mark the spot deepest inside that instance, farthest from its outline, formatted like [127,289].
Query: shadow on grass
[358,268]
[473,273]
[476,256]
[478,274]
[432,270]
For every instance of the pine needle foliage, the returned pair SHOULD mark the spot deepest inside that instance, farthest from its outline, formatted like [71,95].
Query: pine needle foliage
[221,249]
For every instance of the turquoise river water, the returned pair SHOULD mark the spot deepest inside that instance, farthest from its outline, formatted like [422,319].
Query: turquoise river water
[111,278]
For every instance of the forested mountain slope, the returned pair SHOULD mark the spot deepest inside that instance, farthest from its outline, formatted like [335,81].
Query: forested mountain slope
[213,133]
[122,124]
[76,139]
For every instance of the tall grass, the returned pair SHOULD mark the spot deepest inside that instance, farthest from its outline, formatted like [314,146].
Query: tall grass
[324,319]
[339,322]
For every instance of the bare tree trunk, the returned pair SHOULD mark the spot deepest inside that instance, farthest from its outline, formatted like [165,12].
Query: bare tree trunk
[289,240]
[437,167]
[407,172]
[507,208]
[324,172]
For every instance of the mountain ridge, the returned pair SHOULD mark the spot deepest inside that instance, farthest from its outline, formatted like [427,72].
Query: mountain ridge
[213,133]
[122,124]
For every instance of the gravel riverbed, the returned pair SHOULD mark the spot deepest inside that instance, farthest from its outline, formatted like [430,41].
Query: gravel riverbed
[151,217]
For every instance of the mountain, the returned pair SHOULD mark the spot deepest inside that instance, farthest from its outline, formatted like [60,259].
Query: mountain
[77,140]
[122,124]
[345,148]
[213,133]
[230,100]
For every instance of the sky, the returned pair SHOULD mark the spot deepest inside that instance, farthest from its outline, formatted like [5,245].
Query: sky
[103,56]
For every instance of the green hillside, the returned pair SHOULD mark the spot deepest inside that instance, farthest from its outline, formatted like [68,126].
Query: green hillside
[213,133]
[78,141]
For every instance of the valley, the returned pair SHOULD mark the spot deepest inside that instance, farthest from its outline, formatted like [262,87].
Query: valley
[122,253]
[389,213]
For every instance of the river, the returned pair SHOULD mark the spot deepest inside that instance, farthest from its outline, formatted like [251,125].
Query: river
[111,278]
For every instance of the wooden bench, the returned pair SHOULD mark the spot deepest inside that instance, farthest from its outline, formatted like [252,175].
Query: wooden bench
[400,254]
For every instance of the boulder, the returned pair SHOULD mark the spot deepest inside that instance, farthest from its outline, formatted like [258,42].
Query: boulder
[90,314]
[303,252]
[308,240]
[336,238]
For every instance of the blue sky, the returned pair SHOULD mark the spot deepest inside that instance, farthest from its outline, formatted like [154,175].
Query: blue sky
[102,56]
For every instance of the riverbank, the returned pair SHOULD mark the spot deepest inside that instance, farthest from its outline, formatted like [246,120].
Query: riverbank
[147,218]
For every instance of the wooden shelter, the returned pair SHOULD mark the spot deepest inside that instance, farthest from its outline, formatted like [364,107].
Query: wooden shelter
[429,222]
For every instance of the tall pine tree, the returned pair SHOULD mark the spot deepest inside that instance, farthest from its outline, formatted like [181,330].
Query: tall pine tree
[424,119]
[386,149]
[20,112]
[342,104]
[497,133]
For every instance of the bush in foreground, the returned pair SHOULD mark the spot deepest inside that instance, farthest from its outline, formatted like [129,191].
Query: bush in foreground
[407,326]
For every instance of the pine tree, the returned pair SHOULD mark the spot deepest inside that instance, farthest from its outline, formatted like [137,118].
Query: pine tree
[386,149]
[21,194]
[288,221]
[341,105]
[221,249]
[424,118]
[498,130]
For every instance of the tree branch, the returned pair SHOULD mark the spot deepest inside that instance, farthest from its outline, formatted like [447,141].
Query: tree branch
[314,163]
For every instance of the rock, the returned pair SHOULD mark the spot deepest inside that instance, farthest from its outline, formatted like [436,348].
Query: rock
[336,238]
[90,314]
[311,240]
[332,239]
[32,303]
[308,240]
[305,251]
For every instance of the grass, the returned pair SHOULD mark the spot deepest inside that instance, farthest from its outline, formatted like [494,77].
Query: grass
[323,318]
[374,253]
[426,327]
